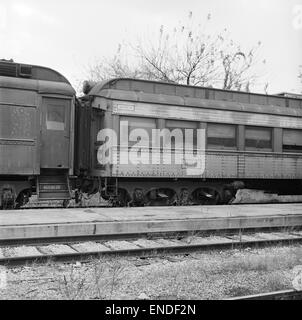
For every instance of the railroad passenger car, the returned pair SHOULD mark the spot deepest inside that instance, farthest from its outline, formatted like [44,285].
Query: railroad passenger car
[251,140]
[36,133]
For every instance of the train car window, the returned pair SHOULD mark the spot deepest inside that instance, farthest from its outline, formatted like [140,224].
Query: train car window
[183,125]
[140,123]
[258,138]
[221,136]
[55,119]
[292,140]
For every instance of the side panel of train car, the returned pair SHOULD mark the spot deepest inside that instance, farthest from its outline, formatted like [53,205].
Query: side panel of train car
[36,133]
[248,138]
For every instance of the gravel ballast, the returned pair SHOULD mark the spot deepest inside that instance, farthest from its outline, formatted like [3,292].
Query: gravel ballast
[198,275]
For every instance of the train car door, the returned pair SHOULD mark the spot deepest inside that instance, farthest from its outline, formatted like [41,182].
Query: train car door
[55,136]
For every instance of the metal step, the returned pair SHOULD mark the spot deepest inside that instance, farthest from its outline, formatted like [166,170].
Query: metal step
[53,188]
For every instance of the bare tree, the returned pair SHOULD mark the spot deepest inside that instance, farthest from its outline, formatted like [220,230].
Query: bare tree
[185,55]
[238,68]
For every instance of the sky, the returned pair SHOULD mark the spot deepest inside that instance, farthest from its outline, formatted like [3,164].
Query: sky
[70,35]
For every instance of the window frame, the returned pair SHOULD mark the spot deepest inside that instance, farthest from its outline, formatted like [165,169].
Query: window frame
[264,149]
[127,118]
[56,125]
[211,146]
[195,127]
[289,150]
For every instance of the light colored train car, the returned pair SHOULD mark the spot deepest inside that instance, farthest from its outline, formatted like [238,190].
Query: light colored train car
[245,138]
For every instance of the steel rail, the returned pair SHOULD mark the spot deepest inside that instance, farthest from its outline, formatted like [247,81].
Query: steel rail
[145,251]
[164,206]
[277,295]
[147,235]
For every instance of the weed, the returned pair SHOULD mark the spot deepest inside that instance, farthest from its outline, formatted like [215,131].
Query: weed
[72,286]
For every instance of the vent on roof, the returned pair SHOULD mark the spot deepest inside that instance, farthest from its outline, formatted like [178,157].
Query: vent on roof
[8,69]
[25,71]
[290,95]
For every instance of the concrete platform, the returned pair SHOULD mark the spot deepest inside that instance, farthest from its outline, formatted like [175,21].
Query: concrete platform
[44,223]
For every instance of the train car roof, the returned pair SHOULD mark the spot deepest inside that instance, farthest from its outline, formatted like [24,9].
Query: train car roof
[36,78]
[20,70]
[124,89]
[159,87]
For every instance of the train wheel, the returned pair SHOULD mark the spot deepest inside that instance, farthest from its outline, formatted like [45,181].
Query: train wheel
[122,199]
[138,198]
[161,197]
[66,203]
[206,196]
[23,198]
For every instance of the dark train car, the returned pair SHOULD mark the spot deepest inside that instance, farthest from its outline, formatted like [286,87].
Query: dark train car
[36,133]
[250,140]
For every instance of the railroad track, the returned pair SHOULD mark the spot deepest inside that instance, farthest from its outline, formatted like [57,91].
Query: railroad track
[105,206]
[81,250]
[278,295]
